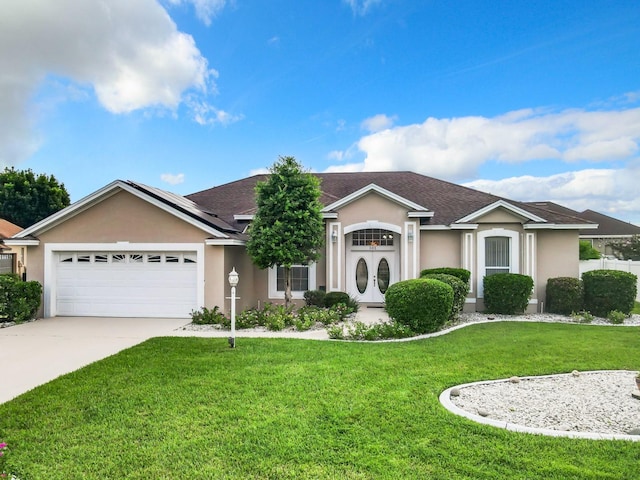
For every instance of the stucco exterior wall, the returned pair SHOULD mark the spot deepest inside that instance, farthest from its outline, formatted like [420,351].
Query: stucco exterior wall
[557,256]
[440,248]
[374,207]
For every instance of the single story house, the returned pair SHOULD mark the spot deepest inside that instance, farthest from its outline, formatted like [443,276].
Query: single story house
[608,229]
[133,250]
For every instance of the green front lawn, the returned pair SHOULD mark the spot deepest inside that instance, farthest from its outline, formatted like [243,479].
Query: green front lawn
[196,409]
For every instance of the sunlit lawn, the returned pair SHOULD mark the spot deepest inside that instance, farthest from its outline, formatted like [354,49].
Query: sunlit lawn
[196,409]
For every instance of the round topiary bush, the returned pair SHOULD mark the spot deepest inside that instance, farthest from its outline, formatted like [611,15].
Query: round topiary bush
[565,295]
[423,304]
[460,290]
[507,293]
[607,290]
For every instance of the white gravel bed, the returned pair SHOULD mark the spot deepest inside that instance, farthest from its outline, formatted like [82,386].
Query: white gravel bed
[596,402]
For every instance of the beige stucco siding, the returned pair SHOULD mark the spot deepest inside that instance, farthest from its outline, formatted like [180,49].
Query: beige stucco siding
[440,248]
[557,256]
[372,206]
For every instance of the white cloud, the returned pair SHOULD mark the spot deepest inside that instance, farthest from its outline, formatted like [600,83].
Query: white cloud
[206,10]
[609,191]
[130,53]
[455,148]
[259,171]
[172,179]
[377,123]
[361,7]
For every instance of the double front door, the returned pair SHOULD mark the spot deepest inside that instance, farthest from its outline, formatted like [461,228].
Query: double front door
[372,273]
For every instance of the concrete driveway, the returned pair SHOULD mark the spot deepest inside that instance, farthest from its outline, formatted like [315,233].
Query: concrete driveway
[34,353]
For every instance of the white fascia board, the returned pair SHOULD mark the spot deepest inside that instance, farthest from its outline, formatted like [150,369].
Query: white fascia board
[464,226]
[558,226]
[373,188]
[506,205]
[106,192]
[420,214]
[17,242]
[331,215]
[224,241]
[243,218]
[435,227]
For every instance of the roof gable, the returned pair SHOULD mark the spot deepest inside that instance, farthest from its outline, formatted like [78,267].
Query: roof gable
[410,205]
[170,203]
[501,204]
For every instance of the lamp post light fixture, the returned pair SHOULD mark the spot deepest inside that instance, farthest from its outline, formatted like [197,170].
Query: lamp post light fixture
[334,236]
[233,281]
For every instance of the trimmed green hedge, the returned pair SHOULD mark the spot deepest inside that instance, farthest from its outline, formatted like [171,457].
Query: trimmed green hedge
[461,273]
[19,301]
[565,295]
[333,298]
[608,290]
[423,304]
[507,293]
[460,291]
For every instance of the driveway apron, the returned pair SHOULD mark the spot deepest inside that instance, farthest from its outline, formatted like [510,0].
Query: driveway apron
[35,353]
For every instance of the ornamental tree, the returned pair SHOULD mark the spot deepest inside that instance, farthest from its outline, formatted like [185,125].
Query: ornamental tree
[26,198]
[288,228]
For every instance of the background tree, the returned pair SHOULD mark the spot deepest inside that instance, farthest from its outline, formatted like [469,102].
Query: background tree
[288,228]
[26,198]
[587,251]
[628,249]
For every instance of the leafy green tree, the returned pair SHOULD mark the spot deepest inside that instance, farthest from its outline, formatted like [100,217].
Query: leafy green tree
[288,228]
[26,198]
[628,249]
[587,252]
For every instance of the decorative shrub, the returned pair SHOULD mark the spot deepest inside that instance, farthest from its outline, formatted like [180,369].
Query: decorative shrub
[507,293]
[460,291]
[19,300]
[461,273]
[333,298]
[315,297]
[276,317]
[607,290]
[213,316]
[423,304]
[565,295]
[616,317]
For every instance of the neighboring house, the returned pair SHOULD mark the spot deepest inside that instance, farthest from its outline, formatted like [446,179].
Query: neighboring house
[133,250]
[609,229]
[9,261]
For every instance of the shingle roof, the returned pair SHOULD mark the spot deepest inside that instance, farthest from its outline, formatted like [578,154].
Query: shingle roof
[609,226]
[448,201]
[8,229]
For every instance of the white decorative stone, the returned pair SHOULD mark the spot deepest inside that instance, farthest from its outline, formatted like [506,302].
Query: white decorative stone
[514,379]
[575,373]
[455,392]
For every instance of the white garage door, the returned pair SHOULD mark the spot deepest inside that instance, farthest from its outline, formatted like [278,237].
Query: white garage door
[126,284]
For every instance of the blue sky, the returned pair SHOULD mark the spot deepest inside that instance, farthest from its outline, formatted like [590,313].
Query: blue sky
[532,100]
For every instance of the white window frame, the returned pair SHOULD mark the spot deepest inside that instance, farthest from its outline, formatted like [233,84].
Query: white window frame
[514,254]
[295,294]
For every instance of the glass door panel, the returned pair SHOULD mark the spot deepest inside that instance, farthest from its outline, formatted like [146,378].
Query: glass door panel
[383,275]
[362,275]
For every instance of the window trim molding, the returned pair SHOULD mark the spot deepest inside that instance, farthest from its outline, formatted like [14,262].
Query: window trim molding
[514,254]
[274,294]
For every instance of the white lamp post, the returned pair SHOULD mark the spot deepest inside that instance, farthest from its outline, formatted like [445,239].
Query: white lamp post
[233,281]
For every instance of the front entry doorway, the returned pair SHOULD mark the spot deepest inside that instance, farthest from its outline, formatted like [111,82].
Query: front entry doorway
[372,275]
[371,263]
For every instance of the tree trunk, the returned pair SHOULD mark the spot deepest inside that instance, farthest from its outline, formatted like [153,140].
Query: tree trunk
[287,286]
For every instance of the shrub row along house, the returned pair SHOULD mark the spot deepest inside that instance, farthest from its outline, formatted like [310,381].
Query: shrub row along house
[134,250]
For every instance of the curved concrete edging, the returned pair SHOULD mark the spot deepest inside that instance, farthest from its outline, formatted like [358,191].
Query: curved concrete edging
[445,400]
